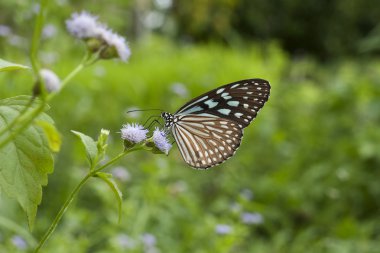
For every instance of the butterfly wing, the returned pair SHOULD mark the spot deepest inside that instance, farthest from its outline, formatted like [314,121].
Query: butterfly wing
[239,101]
[206,141]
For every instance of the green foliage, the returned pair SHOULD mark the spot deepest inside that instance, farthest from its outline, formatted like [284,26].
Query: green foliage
[26,160]
[309,160]
[107,178]
[308,164]
[52,135]
[8,66]
[321,28]
[90,147]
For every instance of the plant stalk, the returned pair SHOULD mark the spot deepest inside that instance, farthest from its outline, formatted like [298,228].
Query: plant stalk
[63,209]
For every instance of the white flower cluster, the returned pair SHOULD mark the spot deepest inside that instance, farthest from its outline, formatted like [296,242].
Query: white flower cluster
[136,133]
[161,141]
[51,80]
[85,26]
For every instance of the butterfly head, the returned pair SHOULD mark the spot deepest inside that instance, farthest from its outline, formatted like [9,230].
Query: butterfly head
[169,118]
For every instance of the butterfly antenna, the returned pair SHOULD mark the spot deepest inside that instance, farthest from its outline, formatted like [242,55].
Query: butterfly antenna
[143,110]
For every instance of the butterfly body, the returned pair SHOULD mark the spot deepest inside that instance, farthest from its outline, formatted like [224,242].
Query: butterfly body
[209,128]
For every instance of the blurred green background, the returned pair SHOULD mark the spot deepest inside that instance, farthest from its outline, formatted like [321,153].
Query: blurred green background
[306,177]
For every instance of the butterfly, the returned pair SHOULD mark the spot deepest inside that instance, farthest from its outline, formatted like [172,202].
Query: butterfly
[208,129]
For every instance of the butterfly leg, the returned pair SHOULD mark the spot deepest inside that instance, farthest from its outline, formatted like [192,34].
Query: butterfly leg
[153,123]
[153,116]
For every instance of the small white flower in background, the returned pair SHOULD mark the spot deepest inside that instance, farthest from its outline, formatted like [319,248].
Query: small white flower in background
[223,229]
[121,173]
[50,79]
[5,31]
[49,31]
[251,218]
[161,141]
[99,71]
[16,40]
[19,242]
[98,36]
[247,194]
[180,89]
[149,243]
[148,240]
[49,58]
[178,187]
[124,241]
[235,207]
[134,133]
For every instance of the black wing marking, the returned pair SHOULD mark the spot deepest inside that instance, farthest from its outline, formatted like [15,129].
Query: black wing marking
[238,101]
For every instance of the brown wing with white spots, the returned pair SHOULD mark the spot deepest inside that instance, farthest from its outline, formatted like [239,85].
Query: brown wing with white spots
[238,101]
[206,141]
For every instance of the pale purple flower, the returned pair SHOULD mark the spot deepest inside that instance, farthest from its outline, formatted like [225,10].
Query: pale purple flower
[161,141]
[154,20]
[179,89]
[125,241]
[83,25]
[51,80]
[49,31]
[247,194]
[148,240]
[121,173]
[251,218]
[134,133]
[16,40]
[235,207]
[163,4]
[118,42]
[19,242]
[223,229]
[5,31]
[49,58]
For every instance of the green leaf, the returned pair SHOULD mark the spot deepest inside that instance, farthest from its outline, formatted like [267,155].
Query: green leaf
[8,66]
[90,145]
[26,160]
[106,177]
[52,134]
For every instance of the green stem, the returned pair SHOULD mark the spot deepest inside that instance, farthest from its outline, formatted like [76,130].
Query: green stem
[63,209]
[62,212]
[68,78]
[113,160]
[37,35]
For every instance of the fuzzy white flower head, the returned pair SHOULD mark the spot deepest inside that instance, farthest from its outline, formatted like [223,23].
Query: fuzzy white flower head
[161,141]
[51,80]
[98,36]
[115,41]
[134,133]
[83,25]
